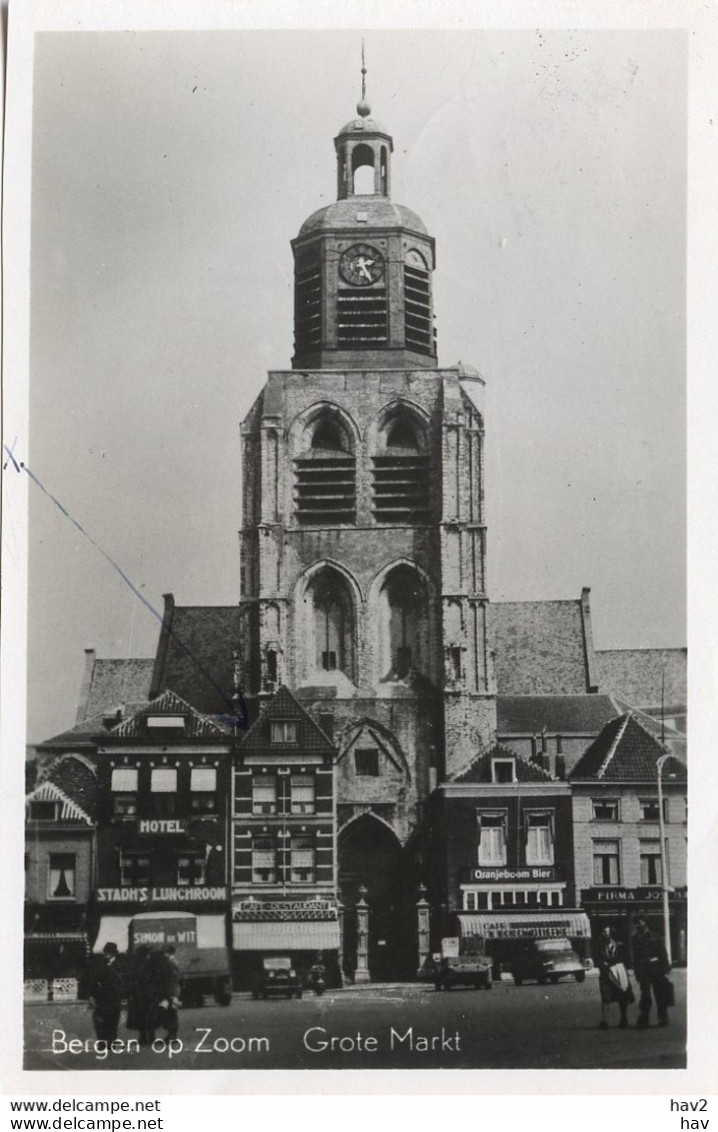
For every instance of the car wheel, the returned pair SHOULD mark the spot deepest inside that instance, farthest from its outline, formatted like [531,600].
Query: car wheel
[554,980]
[518,979]
[580,976]
[299,993]
[542,980]
[255,995]
[488,983]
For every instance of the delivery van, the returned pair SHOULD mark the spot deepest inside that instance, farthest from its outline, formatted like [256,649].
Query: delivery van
[200,947]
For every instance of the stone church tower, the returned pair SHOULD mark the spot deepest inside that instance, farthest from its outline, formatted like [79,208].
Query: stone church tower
[364,540]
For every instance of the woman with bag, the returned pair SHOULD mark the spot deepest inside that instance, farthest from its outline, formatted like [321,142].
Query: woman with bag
[613,981]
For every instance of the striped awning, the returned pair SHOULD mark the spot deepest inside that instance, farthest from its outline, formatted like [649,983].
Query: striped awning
[302,935]
[525,925]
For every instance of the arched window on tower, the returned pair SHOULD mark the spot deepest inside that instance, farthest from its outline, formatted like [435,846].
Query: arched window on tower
[418,319]
[403,625]
[325,476]
[401,472]
[331,630]
[363,170]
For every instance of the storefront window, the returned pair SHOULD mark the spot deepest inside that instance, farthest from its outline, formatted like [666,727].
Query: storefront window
[606,862]
[492,839]
[61,880]
[539,839]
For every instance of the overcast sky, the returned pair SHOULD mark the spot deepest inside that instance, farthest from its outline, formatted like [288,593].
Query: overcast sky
[171,171]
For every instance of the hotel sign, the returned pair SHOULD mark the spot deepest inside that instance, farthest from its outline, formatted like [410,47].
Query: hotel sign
[531,873]
[161,825]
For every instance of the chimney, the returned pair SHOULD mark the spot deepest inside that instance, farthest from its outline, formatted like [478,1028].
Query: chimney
[86,685]
[561,767]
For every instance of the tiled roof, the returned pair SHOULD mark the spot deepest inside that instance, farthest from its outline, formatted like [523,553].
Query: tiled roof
[626,752]
[560,715]
[81,735]
[480,769]
[540,647]
[49,791]
[283,705]
[645,677]
[195,656]
[114,683]
[197,726]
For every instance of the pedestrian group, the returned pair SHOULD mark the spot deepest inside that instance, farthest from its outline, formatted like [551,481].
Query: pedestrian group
[650,967]
[150,982]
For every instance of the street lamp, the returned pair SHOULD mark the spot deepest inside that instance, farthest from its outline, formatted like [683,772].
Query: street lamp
[660,763]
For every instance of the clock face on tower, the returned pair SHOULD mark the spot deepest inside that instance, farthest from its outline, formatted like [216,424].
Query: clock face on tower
[361,265]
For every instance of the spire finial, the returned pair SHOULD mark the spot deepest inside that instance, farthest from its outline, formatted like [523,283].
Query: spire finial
[363,107]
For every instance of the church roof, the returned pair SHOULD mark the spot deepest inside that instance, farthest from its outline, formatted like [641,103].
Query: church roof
[380,213]
[560,715]
[195,656]
[117,682]
[645,677]
[283,706]
[626,752]
[480,770]
[540,647]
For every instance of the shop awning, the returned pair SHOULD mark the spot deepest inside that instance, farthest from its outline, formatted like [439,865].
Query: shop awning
[304,935]
[525,925]
[113,929]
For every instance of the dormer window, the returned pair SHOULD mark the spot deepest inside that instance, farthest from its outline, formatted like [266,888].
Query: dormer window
[173,723]
[503,770]
[284,731]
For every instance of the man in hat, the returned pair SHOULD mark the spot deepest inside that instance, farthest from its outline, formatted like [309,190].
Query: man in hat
[106,994]
[651,966]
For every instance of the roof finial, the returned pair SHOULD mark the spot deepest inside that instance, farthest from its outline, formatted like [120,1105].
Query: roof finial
[363,107]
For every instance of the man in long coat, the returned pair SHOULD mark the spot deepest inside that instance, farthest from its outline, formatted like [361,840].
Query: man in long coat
[106,994]
[651,966]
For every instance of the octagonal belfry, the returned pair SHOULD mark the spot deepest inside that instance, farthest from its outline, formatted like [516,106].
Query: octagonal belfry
[363,267]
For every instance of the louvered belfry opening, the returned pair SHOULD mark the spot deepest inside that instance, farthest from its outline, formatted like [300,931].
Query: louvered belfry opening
[418,325]
[401,477]
[362,317]
[308,304]
[325,478]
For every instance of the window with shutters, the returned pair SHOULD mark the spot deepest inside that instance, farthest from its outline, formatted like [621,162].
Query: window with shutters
[307,303]
[606,863]
[203,789]
[325,475]
[492,838]
[302,859]
[418,319]
[163,788]
[264,860]
[539,838]
[264,794]
[401,473]
[302,794]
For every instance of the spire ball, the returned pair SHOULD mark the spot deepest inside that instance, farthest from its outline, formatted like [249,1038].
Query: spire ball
[363,108]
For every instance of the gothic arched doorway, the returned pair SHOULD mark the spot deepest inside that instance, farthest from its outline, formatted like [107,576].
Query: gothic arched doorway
[370,855]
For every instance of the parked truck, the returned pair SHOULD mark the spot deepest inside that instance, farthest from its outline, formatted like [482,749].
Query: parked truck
[202,958]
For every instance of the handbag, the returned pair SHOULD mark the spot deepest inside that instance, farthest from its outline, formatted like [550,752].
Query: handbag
[667,991]
[618,977]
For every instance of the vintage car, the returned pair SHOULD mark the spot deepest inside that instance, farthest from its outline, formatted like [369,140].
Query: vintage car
[463,970]
[279,977]
[546,960]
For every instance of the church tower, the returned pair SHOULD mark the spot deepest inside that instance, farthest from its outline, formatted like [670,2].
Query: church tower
[364,540]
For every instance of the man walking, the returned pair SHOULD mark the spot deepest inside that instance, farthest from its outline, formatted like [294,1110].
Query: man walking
[651,966]
[106,994]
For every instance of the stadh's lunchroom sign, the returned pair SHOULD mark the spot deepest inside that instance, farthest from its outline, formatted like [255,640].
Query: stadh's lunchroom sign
[180,894]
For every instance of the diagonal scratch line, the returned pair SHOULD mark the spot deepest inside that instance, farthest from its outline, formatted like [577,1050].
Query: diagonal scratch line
[238,719]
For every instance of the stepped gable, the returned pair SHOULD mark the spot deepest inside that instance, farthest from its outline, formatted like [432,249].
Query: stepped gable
[479,770]
[626,752]
[283,706]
